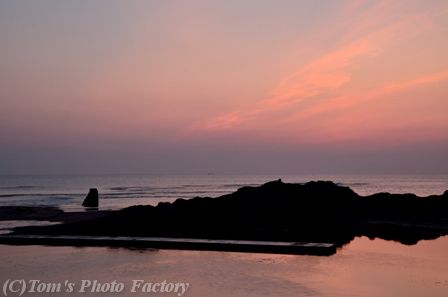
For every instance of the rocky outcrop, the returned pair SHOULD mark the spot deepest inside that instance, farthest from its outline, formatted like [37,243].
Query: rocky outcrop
[8,213]
[91,199]
[313,212]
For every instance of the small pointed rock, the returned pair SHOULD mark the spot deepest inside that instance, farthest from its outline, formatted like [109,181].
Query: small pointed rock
[91,199]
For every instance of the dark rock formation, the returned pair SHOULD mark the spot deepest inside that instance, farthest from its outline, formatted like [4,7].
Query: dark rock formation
[91,199]
[8,213]
[313,212]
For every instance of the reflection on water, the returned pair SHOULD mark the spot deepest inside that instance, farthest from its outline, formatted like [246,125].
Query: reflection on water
[361,268]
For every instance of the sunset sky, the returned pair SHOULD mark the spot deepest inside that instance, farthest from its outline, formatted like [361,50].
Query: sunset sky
[224,86]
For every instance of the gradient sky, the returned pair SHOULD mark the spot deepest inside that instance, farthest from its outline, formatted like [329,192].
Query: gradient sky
[224,86]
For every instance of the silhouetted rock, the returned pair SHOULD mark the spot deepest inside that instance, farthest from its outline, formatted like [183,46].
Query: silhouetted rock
[92,198]
[8,213]
[276,211]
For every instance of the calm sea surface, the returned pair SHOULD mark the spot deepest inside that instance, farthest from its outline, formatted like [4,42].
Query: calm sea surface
[363,268]
[119,191]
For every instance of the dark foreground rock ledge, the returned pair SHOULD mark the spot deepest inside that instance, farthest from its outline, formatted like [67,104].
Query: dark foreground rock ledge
[276,211]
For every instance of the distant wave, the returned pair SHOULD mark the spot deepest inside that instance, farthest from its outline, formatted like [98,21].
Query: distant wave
[19,187]
[353,184]
[65,196]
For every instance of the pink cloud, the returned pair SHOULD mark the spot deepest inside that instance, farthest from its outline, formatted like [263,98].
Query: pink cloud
[325,74]
[324,88]
[431,78]
[219,123]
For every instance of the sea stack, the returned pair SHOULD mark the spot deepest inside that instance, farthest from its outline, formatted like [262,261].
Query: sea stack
[91,199]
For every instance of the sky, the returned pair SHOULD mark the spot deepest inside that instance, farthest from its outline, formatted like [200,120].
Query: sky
[252,86]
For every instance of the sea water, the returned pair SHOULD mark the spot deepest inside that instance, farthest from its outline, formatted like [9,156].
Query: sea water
[119,191]
[367,268]
[361,268]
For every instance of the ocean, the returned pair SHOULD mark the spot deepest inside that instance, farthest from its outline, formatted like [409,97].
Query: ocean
[367,268]
[363,267]
[120,191]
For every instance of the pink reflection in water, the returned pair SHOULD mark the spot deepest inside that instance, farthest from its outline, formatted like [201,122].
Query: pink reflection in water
[361,268]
